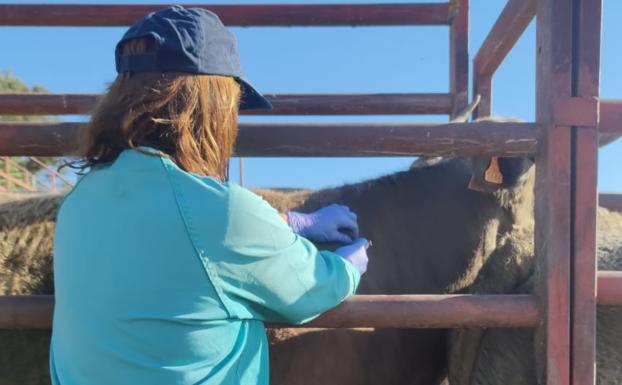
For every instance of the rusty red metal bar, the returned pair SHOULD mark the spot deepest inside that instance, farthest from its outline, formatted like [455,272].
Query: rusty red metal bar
[482,86]
[611,117]
[343,139]
[553,197]
[610,288]
[46,104]
[387,139]
[284,104]
[108,15]
[404,311]
[577,111]
[386,311]
[583,321]
[459,56]
[506,31]
[611,201]
[432,311]
[26,311]
[553,251]
[585,86]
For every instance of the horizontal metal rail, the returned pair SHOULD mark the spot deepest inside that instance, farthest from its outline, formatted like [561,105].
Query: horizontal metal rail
[611,201]
[388,311]
[381,311]
[609,288]
[432,311]
[233,15]
[26,311]
[508,28]
[305,140]
[610,117]
[284,104]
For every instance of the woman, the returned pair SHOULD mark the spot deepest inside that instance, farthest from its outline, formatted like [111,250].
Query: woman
[164,272]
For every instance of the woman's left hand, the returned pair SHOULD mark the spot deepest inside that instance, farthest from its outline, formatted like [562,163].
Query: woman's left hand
[334,223]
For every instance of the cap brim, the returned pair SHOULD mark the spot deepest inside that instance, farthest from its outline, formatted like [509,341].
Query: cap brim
[251,99]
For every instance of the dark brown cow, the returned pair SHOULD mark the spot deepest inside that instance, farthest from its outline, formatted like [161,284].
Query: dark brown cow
[431,234]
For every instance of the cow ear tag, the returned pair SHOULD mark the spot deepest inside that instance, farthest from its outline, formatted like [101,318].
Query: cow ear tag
[493,173]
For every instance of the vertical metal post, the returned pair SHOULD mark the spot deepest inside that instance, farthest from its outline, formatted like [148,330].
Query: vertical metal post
[482,85]
[585,85]
[459,55]
[553,180]
[7,172]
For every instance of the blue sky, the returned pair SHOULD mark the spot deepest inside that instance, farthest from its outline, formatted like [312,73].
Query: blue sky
[324,59]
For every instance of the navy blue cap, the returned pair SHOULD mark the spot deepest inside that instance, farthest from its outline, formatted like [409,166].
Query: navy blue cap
[188,40]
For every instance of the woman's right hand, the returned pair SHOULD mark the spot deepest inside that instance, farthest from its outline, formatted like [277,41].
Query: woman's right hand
[356,254]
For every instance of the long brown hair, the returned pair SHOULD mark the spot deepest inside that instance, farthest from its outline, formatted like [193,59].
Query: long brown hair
[190,118]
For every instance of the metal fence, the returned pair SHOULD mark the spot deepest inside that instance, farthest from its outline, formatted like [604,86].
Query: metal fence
[564,140]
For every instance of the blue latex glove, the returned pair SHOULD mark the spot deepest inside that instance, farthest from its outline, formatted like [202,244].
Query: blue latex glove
[356,254]
[334,223]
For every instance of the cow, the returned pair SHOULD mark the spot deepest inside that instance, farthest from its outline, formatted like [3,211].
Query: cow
[481,356]
[431,231]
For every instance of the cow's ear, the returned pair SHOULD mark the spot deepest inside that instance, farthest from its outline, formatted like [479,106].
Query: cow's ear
[495,173]
[491,173]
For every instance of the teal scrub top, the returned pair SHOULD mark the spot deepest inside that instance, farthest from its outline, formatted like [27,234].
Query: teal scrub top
[165,277]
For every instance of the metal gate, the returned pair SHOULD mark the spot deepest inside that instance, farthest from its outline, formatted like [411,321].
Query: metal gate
[564,140]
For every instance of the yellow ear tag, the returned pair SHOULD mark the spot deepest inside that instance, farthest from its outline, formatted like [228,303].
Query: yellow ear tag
[493,173]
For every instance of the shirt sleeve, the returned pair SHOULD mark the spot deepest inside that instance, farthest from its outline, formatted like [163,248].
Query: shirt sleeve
[277,275]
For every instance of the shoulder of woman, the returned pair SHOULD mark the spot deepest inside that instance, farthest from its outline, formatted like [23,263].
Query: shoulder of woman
[246,199]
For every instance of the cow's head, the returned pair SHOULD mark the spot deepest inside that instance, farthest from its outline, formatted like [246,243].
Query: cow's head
[492,173]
